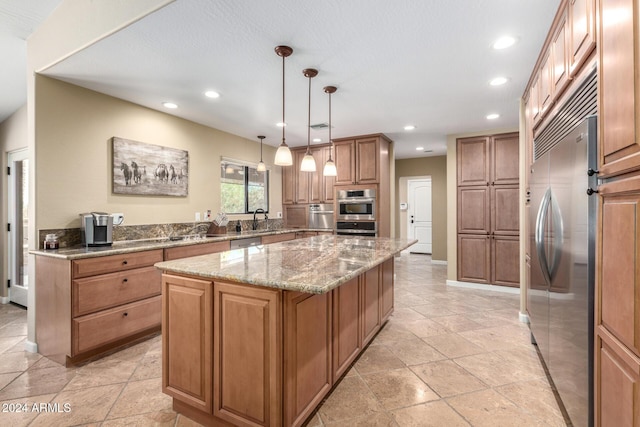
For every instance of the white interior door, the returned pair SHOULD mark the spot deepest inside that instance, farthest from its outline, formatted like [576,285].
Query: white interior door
[18,197]
[419,214]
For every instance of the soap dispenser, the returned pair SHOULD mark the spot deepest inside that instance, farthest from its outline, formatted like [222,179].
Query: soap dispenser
[238,227]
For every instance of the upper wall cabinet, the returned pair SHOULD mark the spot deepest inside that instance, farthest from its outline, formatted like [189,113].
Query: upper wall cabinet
[307,187]
[473,161]
[618,77]
[559,49]
[582,32]
[359,159]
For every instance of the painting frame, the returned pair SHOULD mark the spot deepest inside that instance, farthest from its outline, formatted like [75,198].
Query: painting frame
[143,169]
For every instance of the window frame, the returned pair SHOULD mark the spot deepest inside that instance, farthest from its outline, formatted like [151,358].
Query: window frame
[247,168]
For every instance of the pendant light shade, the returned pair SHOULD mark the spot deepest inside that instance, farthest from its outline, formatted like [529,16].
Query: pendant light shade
[308,162]
[283,155]
[330,166]
[261,166]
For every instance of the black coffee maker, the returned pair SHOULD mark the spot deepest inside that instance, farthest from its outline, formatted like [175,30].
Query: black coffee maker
[97,229]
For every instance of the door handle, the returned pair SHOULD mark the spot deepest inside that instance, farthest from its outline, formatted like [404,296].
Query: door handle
[411,219]
[541,218]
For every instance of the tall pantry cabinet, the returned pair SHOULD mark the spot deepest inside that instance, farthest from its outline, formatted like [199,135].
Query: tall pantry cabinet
[488,222]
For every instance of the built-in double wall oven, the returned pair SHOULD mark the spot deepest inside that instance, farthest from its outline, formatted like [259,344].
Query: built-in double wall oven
[356,212]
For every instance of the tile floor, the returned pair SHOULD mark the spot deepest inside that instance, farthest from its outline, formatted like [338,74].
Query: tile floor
[447,357]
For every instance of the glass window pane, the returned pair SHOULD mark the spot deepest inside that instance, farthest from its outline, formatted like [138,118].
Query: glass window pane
[232,188]
[257,192]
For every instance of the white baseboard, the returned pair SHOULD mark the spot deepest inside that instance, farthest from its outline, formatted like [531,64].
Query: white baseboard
[482,287]
[4,300]
[523,317]
[438,261]
[30,346]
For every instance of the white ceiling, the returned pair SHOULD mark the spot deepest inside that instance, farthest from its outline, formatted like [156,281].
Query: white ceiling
[420,62]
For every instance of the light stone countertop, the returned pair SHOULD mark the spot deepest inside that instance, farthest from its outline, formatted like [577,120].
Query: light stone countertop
[130,246]
[313,265]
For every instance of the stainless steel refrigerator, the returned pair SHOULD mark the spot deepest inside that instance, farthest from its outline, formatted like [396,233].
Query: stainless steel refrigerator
[562,214]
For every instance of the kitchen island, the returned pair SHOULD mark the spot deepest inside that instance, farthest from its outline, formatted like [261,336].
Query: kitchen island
[259,336]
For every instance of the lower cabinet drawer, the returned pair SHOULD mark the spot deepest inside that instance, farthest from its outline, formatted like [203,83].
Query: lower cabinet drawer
[96,293]
[94,330]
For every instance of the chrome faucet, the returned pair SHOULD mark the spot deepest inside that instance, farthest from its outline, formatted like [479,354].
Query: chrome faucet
[254,226]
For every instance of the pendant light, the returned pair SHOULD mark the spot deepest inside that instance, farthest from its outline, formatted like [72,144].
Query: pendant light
[330,166]
[283,155]
[261,166]
[308,162]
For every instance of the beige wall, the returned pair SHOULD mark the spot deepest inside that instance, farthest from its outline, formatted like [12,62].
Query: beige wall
[74,128]
[13,136]
[436,168]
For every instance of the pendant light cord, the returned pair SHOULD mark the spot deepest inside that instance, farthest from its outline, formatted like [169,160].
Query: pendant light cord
[283,122]
[330,141]
[309,120]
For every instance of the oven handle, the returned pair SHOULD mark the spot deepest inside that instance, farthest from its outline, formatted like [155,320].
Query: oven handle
[356,231]
[356,200]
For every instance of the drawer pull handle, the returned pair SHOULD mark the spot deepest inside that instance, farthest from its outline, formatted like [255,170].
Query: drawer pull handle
[125,280]
[124,262]
[125,314]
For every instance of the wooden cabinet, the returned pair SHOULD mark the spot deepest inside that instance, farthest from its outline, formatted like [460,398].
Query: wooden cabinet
[619,85]
[546,89]
[288,184]
[300,187]
[371,319]
[362,159]
[347,329]
[582,31]
[488,209]
[195,250]
[296,216]
[386,289]
[303,179]
[560,52]
[278,238]
[321,187]
[187,334]
[307,343]
[345,159]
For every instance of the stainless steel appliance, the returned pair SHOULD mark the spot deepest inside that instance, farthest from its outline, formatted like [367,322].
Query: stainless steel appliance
[97,229]
[356,205]
[561,285]
[357,228]
[321,216]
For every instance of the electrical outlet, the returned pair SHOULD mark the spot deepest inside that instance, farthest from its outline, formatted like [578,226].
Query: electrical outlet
[197,216]
[279,215]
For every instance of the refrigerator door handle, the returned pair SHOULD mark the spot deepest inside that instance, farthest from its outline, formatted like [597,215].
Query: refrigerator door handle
[557,237]
[541,219]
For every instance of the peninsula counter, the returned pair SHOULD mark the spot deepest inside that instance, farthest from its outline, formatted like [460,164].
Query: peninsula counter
[259,336]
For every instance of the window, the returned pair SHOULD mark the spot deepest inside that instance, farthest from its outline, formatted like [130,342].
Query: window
[243,189]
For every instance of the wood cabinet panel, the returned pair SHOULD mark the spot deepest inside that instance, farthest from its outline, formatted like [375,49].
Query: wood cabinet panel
[288,185]
[347,339]
[303,180]
[113,263]
[619,290]
[307,343]
[504,163]
[99,329]
[278,238]
[582,31]
[546,90]
[246,322]
[505,259]
[195,250]
[109,290]
[559,49]
[505,205]
[386,289]
[618,80]
[473,161]
[345,158]
[474,256]
[474,210]
[187,318]
[371,319]
[534,100]
[296,216]
[367,160]
[328,194]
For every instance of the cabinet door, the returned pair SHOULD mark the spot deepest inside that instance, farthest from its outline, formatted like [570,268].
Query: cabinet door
[187,322]
[582,38]
[195,250]
[303,184]
[367,161]
[278,238]
[618,78]
[474,254]
[246,322]
[473,161]
[386,289]
[546,90]
[618,289]
[505,260]
[307,343]
[371,319]
[328,181]
[296,216]
[534,99]
[505,158]
[316,184]
[288,185]
[347,339]
[505,216]
[559,48]
[345,158]
[474,210]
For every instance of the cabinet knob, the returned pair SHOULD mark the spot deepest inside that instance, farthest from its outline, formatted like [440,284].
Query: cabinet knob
[590,191]
[125,280]
[124,262]
[125,314]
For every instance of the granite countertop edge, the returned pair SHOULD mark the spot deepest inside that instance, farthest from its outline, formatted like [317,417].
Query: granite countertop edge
[131,246]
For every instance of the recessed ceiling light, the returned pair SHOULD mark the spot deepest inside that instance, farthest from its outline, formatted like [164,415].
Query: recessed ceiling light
[212,94]
[281,125]
[409,127]
[170,105]
[419,148]
[504,42]
[498,81]
[317,140]
[493,116]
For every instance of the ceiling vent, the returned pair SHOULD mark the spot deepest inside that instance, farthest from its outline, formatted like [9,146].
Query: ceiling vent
[320,126]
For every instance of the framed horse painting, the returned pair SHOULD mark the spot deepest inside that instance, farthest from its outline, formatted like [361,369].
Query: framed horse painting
[148,169]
